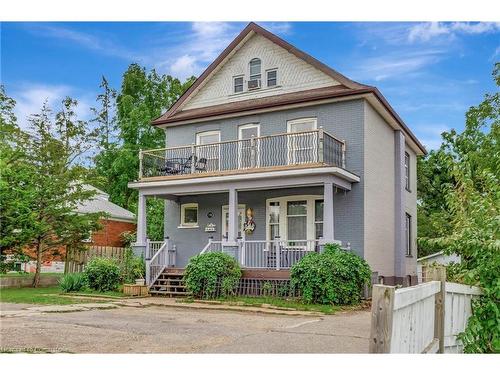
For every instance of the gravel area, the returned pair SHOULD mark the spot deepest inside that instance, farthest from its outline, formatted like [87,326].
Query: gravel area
[159,329]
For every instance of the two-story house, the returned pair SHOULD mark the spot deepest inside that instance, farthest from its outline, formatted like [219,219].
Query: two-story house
[270,154]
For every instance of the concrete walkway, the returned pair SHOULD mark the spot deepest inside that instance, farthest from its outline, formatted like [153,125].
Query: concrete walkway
[169,327]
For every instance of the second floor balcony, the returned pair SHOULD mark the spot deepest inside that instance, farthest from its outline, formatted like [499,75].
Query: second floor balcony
[257,154]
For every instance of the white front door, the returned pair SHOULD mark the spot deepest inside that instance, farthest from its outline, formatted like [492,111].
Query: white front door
[241,220]
[245,135]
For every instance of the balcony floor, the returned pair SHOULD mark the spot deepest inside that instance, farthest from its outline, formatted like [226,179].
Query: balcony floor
[233,172]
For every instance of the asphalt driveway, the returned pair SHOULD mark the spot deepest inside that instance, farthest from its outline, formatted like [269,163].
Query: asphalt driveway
[180,330]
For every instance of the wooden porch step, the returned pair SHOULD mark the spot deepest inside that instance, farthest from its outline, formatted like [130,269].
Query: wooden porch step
[169,293]
[170,283]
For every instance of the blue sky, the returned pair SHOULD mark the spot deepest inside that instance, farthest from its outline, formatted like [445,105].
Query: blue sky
[430,72]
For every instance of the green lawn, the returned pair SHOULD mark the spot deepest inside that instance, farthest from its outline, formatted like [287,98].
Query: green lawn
[49,296]
[280,303]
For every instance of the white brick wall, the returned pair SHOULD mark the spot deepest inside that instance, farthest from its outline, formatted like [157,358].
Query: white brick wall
[294,74]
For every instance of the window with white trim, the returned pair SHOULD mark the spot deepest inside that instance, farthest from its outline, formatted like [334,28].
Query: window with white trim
[189,215]
[255,69]
[272,77]
[318,218]
[238,84]
[294,218]
[303,142]
[274,220]
[407,171]
[208,148]
[408,234]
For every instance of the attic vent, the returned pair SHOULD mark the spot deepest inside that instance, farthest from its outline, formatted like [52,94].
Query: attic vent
[254,84]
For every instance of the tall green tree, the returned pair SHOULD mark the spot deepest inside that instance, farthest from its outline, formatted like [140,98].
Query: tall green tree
[472,205]
[44,185]
[14,198]
[143,96]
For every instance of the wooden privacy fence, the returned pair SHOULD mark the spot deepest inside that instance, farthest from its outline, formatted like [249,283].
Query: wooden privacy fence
[421,319]
[77,259]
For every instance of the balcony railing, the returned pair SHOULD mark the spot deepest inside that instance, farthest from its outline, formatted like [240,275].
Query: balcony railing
[282,150]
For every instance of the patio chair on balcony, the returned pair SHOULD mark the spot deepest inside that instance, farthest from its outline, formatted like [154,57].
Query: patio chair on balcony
[200,165]
[172,166]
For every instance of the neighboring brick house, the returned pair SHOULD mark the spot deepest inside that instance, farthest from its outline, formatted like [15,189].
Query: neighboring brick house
[270,155]
[117,221]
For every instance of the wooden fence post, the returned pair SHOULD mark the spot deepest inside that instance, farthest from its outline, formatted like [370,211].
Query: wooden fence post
[439,274]
[382,314]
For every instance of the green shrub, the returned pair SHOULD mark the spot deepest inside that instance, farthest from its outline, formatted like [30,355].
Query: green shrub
[334,276]
[205,272]
[73,282]
[132,267]
[103,274]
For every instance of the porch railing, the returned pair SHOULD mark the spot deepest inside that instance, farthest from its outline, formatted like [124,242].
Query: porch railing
[159,255]
[275,254]
[258,152]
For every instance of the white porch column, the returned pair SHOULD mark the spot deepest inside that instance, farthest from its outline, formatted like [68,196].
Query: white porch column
[232,230]
[141,220]
[328,220]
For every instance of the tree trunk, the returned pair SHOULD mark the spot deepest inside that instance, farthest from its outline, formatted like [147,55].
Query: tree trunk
[36,280]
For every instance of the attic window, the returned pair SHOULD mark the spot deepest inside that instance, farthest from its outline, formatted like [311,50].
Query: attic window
[255,66]
[238,84]
[272,78]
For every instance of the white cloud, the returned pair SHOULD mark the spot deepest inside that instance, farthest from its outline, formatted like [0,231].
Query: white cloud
[427,31]
[424,32]
[398,64]
[100,44]
[282,28]
[31,96]
[184,66]
[430,134]
[202,44]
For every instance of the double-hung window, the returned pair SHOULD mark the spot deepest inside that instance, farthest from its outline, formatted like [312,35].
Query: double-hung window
[408,234]
[238,84]
[272,78]
[318,218]
[255,69]
[407,171]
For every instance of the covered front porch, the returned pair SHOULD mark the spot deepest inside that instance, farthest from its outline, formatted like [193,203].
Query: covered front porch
[266,223]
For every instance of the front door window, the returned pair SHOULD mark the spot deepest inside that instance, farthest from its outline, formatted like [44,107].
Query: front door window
[241,220]
[297,220]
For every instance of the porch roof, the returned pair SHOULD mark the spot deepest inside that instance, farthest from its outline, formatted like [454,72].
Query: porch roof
[341,178]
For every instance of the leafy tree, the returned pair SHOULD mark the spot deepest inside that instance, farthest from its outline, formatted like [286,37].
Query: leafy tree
[42,186]
[472,203]
[14,171]
[143,97]
[105,115]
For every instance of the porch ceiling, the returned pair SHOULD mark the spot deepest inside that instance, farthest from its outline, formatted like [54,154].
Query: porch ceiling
[244,182]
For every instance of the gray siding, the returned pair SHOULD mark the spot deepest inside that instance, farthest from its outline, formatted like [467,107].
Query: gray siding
[344,120]
[190,241]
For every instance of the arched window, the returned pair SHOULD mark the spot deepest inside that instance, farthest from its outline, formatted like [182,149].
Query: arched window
[255,69]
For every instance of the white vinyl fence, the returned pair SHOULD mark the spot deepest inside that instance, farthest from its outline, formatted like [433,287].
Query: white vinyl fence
[421,319]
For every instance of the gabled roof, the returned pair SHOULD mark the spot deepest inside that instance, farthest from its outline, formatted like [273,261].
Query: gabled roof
[100,203]
[347,87]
